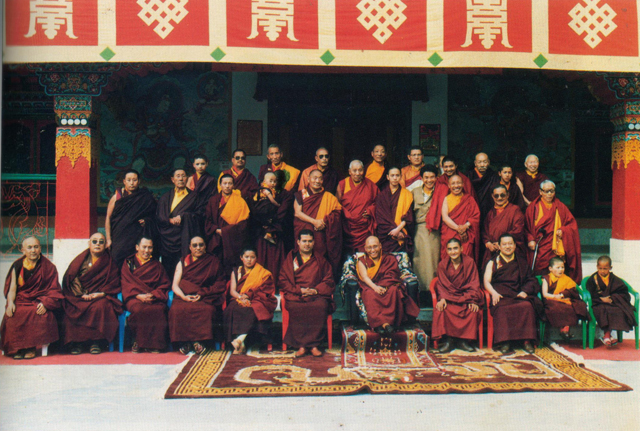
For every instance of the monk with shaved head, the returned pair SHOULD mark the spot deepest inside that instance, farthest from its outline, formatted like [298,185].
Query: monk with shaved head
[482,177]
[460,219]
[531,178]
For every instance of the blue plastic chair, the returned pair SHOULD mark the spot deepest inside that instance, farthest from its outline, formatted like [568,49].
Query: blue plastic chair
[122,319]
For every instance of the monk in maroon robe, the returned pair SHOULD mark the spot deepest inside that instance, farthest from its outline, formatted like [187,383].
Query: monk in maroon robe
[145,289]
[531,178]
[378,169]
[275,164]
[199,285]
[243,180]
[33,292]
[504,217]
[394,215]
[461,220]
[330,176]
[306,284]
[459,300]
[514,304]
[482,178]
[91,307]
[385,298]
[357,195]
[512,183]
[319,211]
[201,182]
[551,222]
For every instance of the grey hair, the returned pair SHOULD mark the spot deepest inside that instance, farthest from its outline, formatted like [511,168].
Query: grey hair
[355,163]
[531,155]
[545,182]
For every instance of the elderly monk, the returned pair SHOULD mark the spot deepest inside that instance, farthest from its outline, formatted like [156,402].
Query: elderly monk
[549,221]
[426,243]
[178,220]
[504,217]
[330,176]
[531,178]
[512,184]
[31,289]
[201,182]
[394,215]
[319,211]
[514,304]
[199,285]
[307,286]
[455,315]
[91,308]
[461,219]
[611,301]
[482,178]
[243,180]
[384,295]
[145,289]
[129,215]
[357,195]
[377,170]
[410,175]
[274,155]
[226,223]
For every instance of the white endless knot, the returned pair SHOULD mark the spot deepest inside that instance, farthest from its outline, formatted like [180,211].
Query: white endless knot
[383,14]
[592,19]
[163,11]
[51,15]
[272,16]
[487,19]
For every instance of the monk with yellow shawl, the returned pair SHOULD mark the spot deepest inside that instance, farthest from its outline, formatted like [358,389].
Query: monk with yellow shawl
[252,303]
[292,175]
[411,178]
[461,220]
[377,170]
[394,215]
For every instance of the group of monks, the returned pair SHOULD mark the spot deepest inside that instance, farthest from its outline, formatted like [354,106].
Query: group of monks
[227,244]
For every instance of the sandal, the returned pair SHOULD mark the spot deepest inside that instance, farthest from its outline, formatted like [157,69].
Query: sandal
[75,350]
[198,348]
[237,347]
[153,350]
[135,348]
[31,353]
[185,349]
[95,349]
[19,355]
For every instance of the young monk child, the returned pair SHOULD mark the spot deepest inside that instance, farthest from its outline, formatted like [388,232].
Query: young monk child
[562,303]
[268,191]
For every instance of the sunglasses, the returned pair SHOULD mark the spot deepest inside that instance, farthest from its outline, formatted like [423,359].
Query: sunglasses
[323,156]
[500,195]
[97,241]
[198,245]
[548,191]
[240,158]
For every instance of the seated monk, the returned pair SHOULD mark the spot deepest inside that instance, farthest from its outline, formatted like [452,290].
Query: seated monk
[243,180]
[394,215]
[306,283]
[201,182]
[504,217]
[252,301]
[531,178]
[199,285]
[145,288]
[91,307]
[410,177]
[384,295]
[611,301]
[357,195]
[562,303]
[31,289]
[514,304]
[275,164]
[377,170]
[461,220]
[226,223]
[455,315]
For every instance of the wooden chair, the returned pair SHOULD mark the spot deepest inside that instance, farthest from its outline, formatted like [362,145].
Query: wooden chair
[285,324]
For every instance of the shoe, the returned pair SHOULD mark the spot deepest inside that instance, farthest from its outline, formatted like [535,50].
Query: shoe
[464,345]
[300,353]
[528,347]
[185,349]
[316,352]
[95,349]
[389,329]
[198,348]
[506,349]
[153,350]
[76,349]
[31,353]
[135,348]
[445,347]
[19,355]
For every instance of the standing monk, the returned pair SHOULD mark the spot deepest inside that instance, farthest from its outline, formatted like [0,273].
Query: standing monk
[145,288]
[383,294]
[330,176]
[129,214]
[377,170]
[512,184]
[243,180]
[461,219]
[31,289]
[531,178]
[551,222]
[90,287]
[426,243]
[292,175]
[357,195]
[411,177]
[201,182]
[307,287]
[482,178]
[319,211]
[394,215]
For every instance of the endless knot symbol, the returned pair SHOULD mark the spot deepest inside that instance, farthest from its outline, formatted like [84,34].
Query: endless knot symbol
[487,19]
[591,20]
[383,14]
[163,11]
[51,14]
[272,16]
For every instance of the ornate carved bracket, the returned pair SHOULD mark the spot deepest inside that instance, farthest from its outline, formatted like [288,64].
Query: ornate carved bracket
[74,79]
[625,86]
[73,143]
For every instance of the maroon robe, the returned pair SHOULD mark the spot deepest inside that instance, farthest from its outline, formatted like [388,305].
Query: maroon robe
[228,245]
[514,192]
[307,315]
[531,185]
[560,314]
[148,321]
[440,192]
[386,205]
[245,182]
[194,321]
[268,167]
[268,218]
[26,329]
[356,228]
[508,220]
[466,211]
[570,238]
[514,318]
[618,315]
[330,178]
[483,186]
[96,319]
[204,187]
[383,181]
[459,287]
[395,306]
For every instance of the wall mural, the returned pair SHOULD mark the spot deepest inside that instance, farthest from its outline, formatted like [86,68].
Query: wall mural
[156,122]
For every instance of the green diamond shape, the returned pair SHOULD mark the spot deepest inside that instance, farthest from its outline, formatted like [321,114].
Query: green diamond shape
[327,57]
[107,54]
[218,54]
[540,60]
[435,59]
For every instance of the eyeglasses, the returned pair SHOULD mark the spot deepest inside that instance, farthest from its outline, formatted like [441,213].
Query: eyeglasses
[198,245]
[500,195]
[548,191]
[323,156]
[97,241]
[240,158]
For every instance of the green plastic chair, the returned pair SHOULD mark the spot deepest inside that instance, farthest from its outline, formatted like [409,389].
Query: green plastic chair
[585,324]
[592,322]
